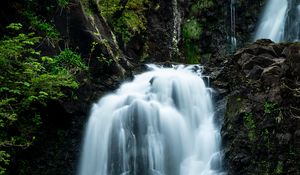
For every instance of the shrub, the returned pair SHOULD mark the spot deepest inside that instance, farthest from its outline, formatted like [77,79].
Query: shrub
[27,81]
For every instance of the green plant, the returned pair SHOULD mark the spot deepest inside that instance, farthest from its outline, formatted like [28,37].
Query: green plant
[269,107]
[192,29]
[29,81]
[192,52]
[279,168]
[63,3]
[127,17]
[264,167]
[250,125]
[266,139]
[42,26]
[67,59]
[201,5]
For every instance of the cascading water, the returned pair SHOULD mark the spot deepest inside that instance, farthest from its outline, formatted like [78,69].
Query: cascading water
[161,123]
[273,21]
[176,27]
[280,21]
[292,26]
[232,26]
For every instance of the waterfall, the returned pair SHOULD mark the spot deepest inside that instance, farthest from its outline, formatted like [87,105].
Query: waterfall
[280,21]
[273,21]
[176,27]
[233,43]
[292,26]
[161,123]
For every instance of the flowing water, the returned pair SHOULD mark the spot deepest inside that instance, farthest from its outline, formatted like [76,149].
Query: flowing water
[176,27]
[233,42]
[280,21]
[161,123]
[273,22]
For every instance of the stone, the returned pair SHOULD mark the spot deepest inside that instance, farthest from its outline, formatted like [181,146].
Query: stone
[255,73]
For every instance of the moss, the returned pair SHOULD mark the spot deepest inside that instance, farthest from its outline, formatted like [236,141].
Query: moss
[126,19]
[250,125]
[192,29]
[201,5]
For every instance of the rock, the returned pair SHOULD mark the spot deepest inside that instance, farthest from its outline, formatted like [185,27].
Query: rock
[255,73]
[261,122]
[271,75]
[259,60]
[283,139]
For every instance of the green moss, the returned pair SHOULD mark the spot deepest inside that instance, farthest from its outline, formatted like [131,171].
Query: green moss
[279,168]
[201,5]
[192,29]
[250,125]
[127,19]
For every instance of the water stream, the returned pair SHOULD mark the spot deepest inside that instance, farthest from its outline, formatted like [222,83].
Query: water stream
[161,123]
[280,21]
[176,27]
[233,42]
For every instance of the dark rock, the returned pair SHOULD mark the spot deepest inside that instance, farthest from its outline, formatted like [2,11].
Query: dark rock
[283,139]
[259,60]
[255,73]
[261,122]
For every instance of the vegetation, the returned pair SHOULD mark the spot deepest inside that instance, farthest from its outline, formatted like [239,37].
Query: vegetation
[29,80]
[191,32]
[193,28]
[250,125]
[126,16]
[201,5]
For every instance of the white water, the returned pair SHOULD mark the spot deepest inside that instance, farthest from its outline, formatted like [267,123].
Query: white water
[272,24]
[176,27]
[161,123]
[233,42]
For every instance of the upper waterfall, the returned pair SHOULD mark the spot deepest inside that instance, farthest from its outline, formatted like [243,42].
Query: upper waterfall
[161,123]
[273,21]
[280,21]
[233,42]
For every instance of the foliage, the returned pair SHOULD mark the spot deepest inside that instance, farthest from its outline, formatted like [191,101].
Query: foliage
[201,5]
[62,3]
[191,32]
[29,80]
[192,29]
[192,52]
[109,7]
[269,107]
[129,24]
[69,60]
[250,125]
[279,168]
[127,19]
[42,26]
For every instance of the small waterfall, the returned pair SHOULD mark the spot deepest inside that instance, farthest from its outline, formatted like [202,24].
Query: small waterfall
[161,123]
[233,43]
[176,27]
[280,22]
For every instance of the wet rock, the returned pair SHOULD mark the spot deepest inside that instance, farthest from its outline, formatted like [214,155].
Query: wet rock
[262,118]
[283,139]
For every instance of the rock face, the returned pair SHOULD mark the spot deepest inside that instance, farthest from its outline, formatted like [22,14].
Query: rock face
[261,84]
